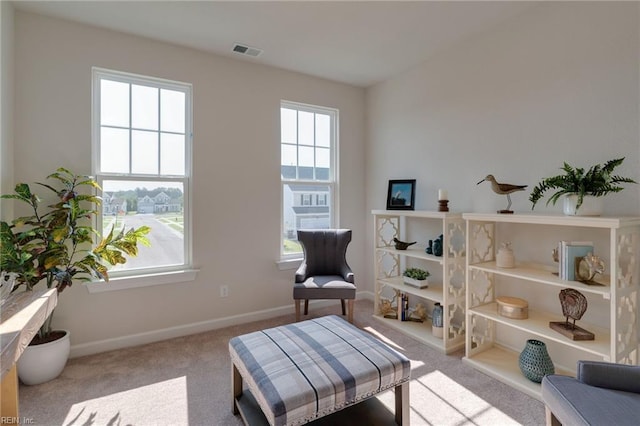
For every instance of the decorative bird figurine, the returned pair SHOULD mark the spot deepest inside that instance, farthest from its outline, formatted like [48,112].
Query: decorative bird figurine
[401,245]
[503,189]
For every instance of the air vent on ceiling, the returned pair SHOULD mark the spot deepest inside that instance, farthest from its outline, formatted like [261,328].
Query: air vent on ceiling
[246,50]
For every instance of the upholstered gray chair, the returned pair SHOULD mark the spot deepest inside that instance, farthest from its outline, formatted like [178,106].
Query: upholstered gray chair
[324,272]
[602,393]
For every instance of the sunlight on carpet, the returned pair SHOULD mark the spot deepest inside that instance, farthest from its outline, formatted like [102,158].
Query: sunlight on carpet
[384,338]
[139,403]
[438,400]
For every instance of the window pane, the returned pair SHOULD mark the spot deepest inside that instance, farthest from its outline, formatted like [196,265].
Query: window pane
[114,150]
[289,155]
[171,154]
[323,157]
[172,111]
[304,206]
[323,163]
[305,156]
[155,204]
[305,127]
[144,152]
[114,103]
[288,125]
[144,105]
[323,130]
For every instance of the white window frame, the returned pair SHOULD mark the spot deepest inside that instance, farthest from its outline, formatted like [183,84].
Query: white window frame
[288,261]
[119,280]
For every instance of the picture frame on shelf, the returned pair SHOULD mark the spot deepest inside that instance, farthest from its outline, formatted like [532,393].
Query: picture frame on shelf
[401,194]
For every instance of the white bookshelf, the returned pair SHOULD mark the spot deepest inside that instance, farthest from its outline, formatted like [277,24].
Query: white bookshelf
[446,283]
[489,335]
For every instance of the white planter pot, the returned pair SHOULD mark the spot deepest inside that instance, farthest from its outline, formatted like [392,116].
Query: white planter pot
[41,363]
[591,206]
[415,283]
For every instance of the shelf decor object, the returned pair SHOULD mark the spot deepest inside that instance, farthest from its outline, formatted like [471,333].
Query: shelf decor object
[446,279]
[578,186]
[512,307]
[436,320]
[505,257]
[534,361]
[574,305]
[587,267]
[503,189]
[443,200]
[416,277]
[401,194]
[613,306]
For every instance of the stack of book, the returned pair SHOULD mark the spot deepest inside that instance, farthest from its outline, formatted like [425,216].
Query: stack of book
[403,306]
[569,254]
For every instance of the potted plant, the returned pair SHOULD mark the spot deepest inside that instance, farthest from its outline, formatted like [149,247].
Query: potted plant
[53,246]
[415,277]
[581,189]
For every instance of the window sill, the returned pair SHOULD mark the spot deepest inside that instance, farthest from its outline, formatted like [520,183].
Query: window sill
[288,264]
[137,281]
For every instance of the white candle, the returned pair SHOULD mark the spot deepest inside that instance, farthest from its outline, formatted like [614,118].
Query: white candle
[442,194]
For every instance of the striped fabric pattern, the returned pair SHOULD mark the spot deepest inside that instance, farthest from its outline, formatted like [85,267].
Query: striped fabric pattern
[306,370]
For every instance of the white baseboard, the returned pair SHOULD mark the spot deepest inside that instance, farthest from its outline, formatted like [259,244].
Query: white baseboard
[187,329]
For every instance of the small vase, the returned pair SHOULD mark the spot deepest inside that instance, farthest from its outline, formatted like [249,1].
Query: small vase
[437,321]
[535,362]
[505,257]
[591,206]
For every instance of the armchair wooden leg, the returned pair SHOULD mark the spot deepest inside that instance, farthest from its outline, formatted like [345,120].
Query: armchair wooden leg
[306,306]
[296,302]
[351,304]
[343,311]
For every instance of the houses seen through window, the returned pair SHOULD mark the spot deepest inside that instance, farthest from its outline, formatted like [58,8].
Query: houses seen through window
[142,146]
[307,168]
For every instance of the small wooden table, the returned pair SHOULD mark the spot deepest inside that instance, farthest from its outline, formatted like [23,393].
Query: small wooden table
[20,318]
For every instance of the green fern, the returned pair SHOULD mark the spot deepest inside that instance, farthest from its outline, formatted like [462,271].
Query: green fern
[597,181]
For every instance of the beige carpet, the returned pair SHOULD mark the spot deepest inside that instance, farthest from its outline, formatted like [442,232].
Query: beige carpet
[186,381]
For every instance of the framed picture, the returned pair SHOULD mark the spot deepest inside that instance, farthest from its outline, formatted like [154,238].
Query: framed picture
[401,194]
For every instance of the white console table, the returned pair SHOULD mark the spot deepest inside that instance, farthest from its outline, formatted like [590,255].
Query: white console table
[20,318]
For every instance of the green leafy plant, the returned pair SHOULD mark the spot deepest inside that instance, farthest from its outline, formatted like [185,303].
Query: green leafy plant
[416,273]
[598,181]
[54,245]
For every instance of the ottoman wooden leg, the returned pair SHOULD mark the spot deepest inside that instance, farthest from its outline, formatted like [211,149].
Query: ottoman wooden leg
[402,404]
[236,386]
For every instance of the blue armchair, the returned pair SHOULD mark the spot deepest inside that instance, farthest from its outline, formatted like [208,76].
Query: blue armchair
[601,394]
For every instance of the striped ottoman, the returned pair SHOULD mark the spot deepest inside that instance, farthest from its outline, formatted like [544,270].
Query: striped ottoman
[303,371]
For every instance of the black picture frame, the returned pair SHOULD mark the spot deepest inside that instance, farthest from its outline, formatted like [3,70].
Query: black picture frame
[401,194]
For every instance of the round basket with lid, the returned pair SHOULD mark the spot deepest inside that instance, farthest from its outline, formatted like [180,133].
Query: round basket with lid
[512,307]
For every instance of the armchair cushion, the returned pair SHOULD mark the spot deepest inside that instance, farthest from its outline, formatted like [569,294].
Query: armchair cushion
[331,286]
[579,401]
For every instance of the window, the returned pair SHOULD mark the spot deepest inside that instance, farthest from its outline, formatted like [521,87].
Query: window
[142,160]
[308,171]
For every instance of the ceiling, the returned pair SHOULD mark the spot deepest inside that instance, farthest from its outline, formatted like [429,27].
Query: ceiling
[355,42]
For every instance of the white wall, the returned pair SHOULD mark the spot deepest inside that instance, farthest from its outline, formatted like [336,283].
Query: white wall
[556,83]
[236,167]
[6,105]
